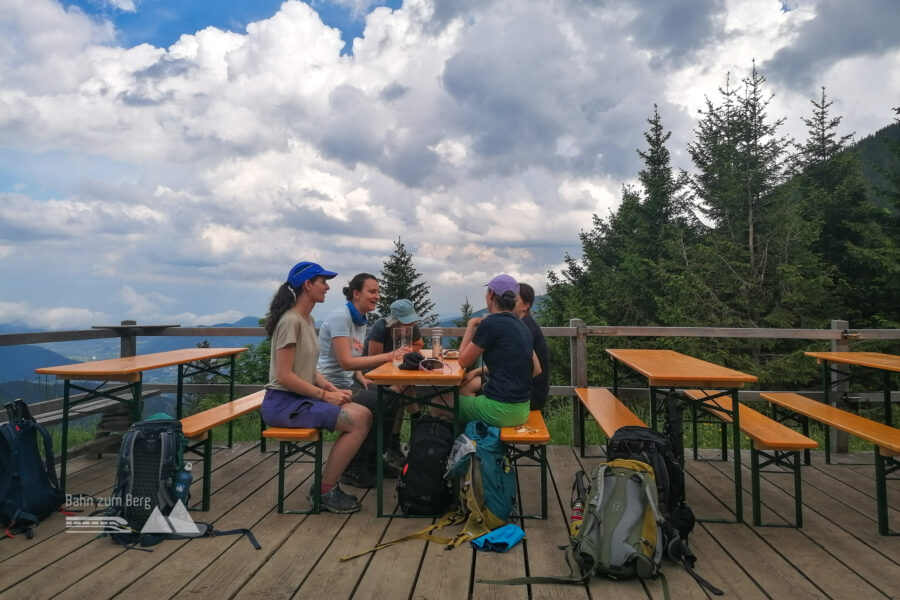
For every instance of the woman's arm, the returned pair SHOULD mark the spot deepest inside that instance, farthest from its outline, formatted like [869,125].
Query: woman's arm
[536,365]
[469,351]
[284,372]
[341,348]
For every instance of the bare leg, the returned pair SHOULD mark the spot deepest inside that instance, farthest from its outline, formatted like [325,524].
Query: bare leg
[354,423]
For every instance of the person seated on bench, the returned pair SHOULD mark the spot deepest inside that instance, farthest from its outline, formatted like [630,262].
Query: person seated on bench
[297,394]
[342,337]
[381,339]
[540,386]
[506,345]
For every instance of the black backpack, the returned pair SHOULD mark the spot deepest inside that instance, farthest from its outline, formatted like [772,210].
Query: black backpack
[654,448]
[29,490]
[143,499]
[421,487]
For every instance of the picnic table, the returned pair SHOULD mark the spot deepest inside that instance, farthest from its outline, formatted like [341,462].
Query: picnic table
[667,372]
[128,371]
[888,364]
[446,381]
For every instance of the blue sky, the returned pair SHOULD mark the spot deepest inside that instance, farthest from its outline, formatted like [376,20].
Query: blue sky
[169,162]
[162,22]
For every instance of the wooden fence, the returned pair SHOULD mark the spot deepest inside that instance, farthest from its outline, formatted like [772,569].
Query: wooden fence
[839,335]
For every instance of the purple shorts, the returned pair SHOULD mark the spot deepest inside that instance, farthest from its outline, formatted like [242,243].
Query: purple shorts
[287,409]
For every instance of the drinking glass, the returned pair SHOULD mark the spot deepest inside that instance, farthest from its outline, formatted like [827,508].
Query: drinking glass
[402,343]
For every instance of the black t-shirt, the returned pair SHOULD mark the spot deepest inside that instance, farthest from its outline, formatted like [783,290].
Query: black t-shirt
[540,385]
[380,332]
[507,345]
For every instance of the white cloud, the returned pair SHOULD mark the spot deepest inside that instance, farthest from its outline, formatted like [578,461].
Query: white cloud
[182,182]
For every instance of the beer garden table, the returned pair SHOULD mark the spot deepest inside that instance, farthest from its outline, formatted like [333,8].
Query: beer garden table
[667,371]
[129,372]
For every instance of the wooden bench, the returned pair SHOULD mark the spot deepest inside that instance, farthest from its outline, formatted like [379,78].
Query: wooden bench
[775,443]
[533,435]
[307,444]
[608,411]
[885,438]
[198,430]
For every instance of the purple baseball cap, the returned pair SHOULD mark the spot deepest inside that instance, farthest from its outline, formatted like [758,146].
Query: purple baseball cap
[503,283]
[304,271]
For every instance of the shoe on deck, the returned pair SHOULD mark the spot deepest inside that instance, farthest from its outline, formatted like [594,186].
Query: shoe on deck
[337,501]
[395,457]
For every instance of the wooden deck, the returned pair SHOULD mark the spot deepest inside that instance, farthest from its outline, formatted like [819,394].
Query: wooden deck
[837,554]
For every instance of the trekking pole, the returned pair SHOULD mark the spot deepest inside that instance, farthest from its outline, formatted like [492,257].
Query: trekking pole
[578,493]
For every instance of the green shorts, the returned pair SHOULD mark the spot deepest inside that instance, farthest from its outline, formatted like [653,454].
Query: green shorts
[492,412]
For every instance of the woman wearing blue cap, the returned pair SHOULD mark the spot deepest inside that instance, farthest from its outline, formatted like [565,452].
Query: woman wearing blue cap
[505,345]
[297,394]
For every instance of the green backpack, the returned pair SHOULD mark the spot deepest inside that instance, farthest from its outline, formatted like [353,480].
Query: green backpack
[620,535]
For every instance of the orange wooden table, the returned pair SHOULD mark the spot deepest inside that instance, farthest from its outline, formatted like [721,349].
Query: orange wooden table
[129,371]
[888,364]
[443,382]
[667,371]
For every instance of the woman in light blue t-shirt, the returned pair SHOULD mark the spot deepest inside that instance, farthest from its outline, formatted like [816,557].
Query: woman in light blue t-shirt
[342,336]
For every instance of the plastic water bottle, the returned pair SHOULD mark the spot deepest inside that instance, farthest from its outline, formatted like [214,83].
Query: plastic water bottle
[183,483]
[436,335]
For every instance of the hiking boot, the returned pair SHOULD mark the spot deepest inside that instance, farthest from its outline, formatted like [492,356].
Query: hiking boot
[358,477]
[337,501]
[395,457]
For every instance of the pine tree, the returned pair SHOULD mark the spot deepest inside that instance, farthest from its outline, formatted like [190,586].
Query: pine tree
[823,143]
[399,279]
[466,311]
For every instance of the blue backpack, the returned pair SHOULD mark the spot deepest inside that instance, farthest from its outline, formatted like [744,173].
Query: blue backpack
[29,490]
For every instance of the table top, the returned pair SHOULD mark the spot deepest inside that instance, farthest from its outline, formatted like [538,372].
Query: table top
[388,374]
[134,365]
[875,360]
[673,369]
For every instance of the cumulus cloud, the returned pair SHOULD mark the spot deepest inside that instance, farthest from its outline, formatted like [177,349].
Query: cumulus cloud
[178,184]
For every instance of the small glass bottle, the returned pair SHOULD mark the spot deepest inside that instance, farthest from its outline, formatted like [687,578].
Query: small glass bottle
[436,335]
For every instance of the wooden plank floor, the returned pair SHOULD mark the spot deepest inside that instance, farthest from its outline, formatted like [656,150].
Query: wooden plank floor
[837,554]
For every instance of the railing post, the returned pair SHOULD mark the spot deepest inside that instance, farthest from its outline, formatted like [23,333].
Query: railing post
[578,362]
[127,340]
[840,441]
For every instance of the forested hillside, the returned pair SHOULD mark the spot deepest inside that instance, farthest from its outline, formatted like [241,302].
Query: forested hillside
[765,231]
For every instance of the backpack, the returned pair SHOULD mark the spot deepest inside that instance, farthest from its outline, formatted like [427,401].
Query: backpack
[150,458]
[29,489]
[487,490]
[654,448]
[620,534]
[421,487]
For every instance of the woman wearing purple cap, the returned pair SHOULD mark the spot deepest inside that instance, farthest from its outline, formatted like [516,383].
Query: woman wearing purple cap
[297,394]
[505,345]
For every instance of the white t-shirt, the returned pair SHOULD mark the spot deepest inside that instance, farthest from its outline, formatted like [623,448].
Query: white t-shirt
[339,324]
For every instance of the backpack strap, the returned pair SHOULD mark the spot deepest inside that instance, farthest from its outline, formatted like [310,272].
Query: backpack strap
[449,519]
[687,560]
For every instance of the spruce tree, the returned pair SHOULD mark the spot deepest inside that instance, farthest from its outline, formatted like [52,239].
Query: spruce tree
[466,311]
[399,279]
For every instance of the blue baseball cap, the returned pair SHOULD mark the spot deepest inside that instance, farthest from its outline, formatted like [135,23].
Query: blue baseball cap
[404,311]
[304,271]
[503,283]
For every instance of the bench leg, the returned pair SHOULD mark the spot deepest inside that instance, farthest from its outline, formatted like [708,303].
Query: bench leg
[207,470]
[303,451]
[788,459]
[884,466]
[538,454]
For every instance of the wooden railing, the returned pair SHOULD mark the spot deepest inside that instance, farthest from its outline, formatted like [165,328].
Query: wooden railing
[840,335]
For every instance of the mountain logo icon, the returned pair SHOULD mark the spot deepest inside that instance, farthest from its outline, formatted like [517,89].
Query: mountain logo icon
[179,521]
